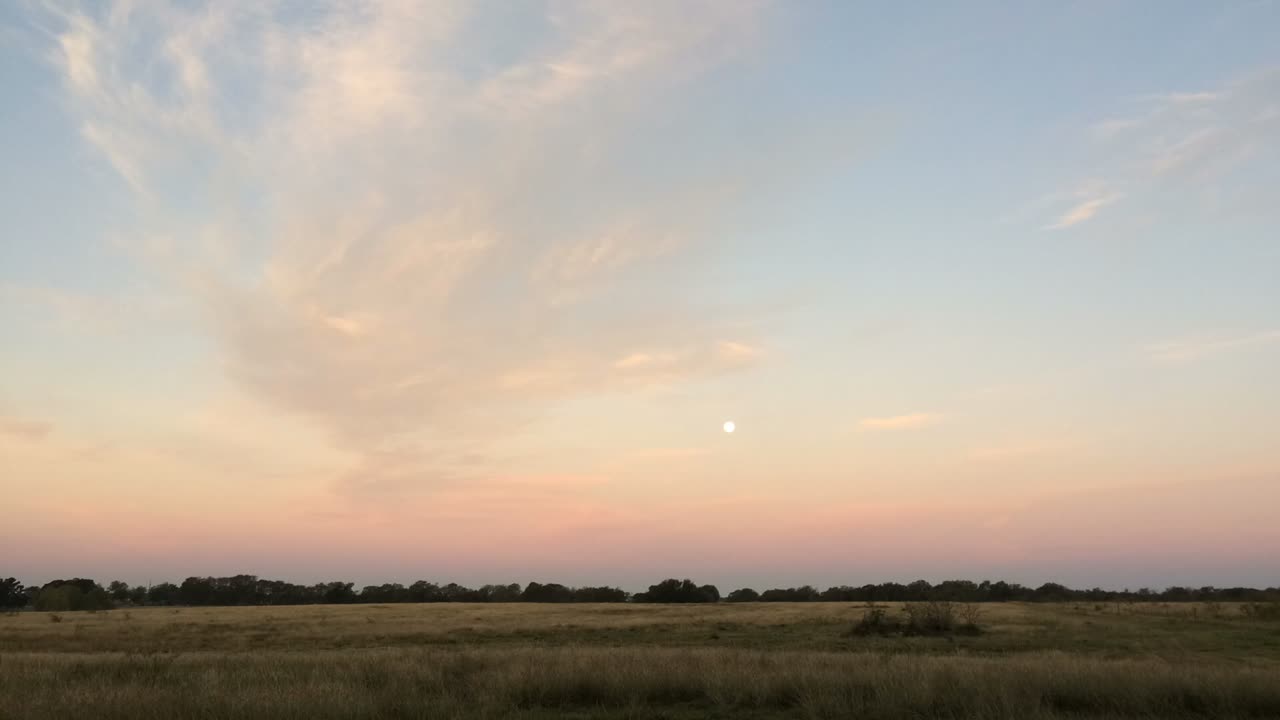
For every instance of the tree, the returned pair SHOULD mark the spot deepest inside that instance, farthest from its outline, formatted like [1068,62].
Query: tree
[841,593]
[423,591]
[499,593]
[956,590]
[76,594]
[59,598]
[196,591]
[1002,591]
[336,593]
[118,590]
[919,590]
[679,591]
[743,595]
[453,592]
[549,593]
[163,594]
[387,593]
[12,593]
[600,595]
[804,593]
[1051,592]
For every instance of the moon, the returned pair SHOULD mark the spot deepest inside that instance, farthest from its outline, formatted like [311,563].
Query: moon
[729,426]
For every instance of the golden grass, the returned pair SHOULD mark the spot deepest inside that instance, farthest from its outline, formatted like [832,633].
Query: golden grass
[622,682]
[768,660]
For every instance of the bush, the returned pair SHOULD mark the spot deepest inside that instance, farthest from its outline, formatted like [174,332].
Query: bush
[935,617]
[875,621]
[970,614]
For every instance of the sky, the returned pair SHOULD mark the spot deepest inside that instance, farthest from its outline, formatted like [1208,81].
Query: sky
[387,290]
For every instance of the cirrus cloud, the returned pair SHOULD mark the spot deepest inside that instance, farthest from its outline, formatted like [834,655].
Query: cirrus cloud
[414,255]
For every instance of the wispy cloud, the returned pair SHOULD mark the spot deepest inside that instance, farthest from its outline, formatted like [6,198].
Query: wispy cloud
[1083,211]
[443,251]
[1197,143]
[910,421]
[1184,98]
[24,429]
[1189,349]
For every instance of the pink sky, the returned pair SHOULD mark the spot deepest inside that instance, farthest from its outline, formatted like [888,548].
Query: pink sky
[438,291]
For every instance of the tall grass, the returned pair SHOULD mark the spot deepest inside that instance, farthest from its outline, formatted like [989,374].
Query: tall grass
[728,661]
[622,682]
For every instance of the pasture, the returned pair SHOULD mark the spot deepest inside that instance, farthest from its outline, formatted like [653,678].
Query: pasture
[769,660]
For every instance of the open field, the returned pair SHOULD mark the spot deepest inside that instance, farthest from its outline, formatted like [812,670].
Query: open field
[724,660]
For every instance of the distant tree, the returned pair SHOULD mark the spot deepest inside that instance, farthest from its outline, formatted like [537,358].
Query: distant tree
[196,591]
[237,590]
[548,593]
[453,592]
[1098,595]
[600,595]
[163,594]
[278,592]
[12,594]
[388,593]
[423,591]
[956,591]
[83,593]
[85,585]
[804,593]
[1002,591]
[919,590]
[1051,592]
[118,590]
[842,593]
[59,598]
[499,593]
[76,594]
[337,593]
[679,591]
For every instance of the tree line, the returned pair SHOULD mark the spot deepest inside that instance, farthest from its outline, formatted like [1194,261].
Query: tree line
[87,594]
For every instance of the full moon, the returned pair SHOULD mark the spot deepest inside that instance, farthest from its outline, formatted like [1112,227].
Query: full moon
[729,426]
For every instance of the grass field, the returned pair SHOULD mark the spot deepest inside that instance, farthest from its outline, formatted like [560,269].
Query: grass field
[636,661]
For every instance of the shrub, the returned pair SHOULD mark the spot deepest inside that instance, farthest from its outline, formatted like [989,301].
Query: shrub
[970,614]
[875,621]
[935,617]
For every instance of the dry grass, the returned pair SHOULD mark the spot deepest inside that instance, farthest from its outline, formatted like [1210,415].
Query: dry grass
[622,682]
[767,660]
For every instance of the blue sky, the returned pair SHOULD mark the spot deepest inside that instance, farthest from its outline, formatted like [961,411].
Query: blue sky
[391,270]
